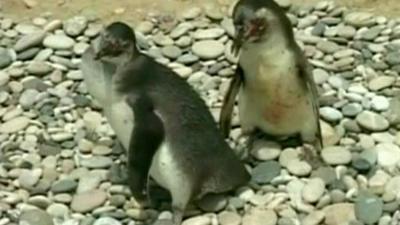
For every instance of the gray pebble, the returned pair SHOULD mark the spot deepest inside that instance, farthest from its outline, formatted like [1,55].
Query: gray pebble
[29,41]
[58,42]
[5,58]
[212,33]
[35,217]
[352,109]
[75,25]
[28,98]
[264,172]
[97,162]
[331,114]
[208,49]
[171,51]
[372,121]
[336,155]
[360,19]
[368,208]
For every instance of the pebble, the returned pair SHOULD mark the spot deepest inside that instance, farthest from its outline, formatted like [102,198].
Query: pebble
[97,162]
[14,125]
[368,208]
[340,213]
[212,33]
[380,103]
[208,49]
[266,150]
[381,82]
[145,27]
[314,218]
[388,154]
[29,41]
[171,52]
[28,179]
[260,217]
[5,58]
[88,201]
[360,19]
[75,25]
[197,220]
[330,114]
[372,121]
[64,185]
[336,155]
[327,46]
[4,78]
[352,109]
[39,68]
[59,42]
[299,168]
[106,221]
[229,218]
[35,217]
[313,190]
[58,210]
[264,172]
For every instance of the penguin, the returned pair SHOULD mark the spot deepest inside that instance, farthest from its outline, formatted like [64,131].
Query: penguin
[276,91]
[161,121]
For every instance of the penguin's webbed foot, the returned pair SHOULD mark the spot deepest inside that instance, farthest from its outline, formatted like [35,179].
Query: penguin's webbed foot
[177,216]
[310,155]
[91,134]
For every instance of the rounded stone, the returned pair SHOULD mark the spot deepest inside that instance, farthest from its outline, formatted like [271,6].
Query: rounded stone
[264,172]
[313,190]
[299,168]
[35,216]
[368,208]
[388,154]
[208,49]
[87,201]
[58,42]
[171,52]
[331,114]
[336,155]
[372,121]
[266,150]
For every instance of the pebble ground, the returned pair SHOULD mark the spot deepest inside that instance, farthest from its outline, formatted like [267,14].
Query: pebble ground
[51,173]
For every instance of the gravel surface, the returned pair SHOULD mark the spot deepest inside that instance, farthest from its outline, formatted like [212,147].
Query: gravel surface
[53,173]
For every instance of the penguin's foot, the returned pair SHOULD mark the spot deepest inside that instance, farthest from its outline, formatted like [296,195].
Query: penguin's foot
[91,134]
[177,216]
[311,156]
[157,195]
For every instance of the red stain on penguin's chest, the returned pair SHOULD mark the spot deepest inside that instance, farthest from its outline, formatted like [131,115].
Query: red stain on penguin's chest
[282,104]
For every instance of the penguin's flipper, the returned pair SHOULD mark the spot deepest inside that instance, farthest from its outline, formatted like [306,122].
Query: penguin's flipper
[306,75]
[228,103]
[146,137]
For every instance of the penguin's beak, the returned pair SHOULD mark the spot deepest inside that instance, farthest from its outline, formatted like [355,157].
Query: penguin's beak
[99,54]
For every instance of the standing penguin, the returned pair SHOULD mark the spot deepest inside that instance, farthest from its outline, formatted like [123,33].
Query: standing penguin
[164,125]
[277,93]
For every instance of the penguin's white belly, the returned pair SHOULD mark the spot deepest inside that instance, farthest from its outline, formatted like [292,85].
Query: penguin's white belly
[166,171]
[94,77]
[121,119]
[274,99]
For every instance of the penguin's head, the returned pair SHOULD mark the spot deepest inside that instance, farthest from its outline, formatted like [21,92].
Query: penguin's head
[117,39]
[254,20]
